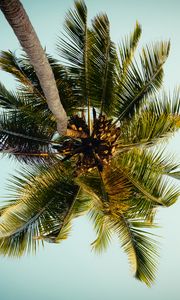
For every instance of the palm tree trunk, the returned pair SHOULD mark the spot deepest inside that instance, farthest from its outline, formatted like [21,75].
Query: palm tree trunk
[19,21]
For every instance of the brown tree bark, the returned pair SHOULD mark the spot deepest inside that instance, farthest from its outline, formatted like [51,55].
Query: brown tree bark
[19,21]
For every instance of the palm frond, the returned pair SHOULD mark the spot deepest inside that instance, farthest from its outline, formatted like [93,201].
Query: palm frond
[163,103]
[102,65]
[63,234]
[139,246]
[156,159]
[22,136]
[75,27]
[16,67]
[29,85]
[127,49]
[155,121]
[153,161]
[140,84]
[91,184]
[82,204]
[139,169]
[123,193]
[136,242]
[73,48]
[107,172]
[146,129]
[125,197]
[10,100]
[65,87]
[43,198]
[102,228]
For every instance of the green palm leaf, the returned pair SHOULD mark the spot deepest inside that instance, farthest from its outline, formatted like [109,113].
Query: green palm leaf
[82,204]
[23,72]
[102,65]
[126,52]
[125,196]
[91,185]
[73,48]
[140,84]
[102,169]
[139,246]
[29,84]
[137,243]
[22,136]
[153,122]
[163,103]
[127,49]
[10,100]
[102,228]
[42,201]
[139,169]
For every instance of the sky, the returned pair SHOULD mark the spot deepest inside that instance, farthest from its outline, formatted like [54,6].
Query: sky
[71,271]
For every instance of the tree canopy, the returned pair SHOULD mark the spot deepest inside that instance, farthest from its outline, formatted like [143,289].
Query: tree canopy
[108,164]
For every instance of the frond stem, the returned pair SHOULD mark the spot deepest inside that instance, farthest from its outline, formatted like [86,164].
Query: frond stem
[27,136]
[105,73]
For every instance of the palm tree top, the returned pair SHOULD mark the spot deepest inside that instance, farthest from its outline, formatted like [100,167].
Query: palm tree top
[107,164]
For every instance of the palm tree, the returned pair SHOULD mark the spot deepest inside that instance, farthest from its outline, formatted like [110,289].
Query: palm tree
[110,166]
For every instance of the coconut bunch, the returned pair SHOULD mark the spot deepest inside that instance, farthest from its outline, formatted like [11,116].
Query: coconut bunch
[90,149]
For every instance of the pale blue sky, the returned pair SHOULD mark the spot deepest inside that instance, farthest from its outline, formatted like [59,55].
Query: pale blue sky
[70,271]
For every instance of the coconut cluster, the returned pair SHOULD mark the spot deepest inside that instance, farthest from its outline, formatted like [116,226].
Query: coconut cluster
[93,149]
